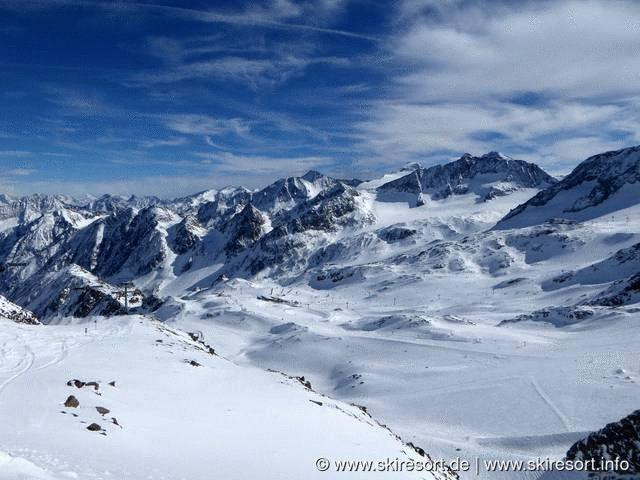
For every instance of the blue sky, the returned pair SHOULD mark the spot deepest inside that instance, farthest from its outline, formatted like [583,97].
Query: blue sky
[169,98]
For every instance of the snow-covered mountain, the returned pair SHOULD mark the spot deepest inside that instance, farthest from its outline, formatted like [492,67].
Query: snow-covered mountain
[120,239]
[487,176]
[113,203]
[397,294]
[602,184]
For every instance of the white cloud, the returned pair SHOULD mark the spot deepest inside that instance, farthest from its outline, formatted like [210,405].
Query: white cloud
[75,101]
[194,124]
[253,72]
[281,14]
[400,130]
[170,142]
[15,153]
[570,47]
[20,172]
[461,71]
[258,166]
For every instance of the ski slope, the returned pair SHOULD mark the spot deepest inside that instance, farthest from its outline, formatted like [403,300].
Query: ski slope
[175,410]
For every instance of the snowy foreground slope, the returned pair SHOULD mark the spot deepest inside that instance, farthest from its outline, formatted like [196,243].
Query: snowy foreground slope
[174,411]
[481,310]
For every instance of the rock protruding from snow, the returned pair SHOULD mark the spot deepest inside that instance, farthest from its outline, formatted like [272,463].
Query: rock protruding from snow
[556,316]
[487,176]
[617,441]
[623,265]
[622,292]
[600,185]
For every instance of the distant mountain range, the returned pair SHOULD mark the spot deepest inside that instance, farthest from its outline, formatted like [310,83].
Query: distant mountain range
[66,256]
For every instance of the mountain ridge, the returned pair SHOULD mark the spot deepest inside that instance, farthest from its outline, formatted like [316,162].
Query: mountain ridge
[456,178]
[589,185]
[296,226]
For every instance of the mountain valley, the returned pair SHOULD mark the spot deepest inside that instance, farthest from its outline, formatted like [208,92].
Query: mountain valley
[478,310]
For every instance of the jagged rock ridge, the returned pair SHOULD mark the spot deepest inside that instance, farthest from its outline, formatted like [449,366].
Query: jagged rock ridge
[488,176]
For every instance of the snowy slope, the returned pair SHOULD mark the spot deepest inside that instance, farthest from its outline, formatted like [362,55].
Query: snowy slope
[467,340]
[173,411]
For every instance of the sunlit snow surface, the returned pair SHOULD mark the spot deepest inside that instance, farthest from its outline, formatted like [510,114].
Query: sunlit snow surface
[420,345]
[404,318]
[175,419]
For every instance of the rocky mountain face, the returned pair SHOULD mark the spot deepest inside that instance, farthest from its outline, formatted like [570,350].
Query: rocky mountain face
[79,251]
[602,184]
[618,440]
[244,229]
[64,256]
[487,176]
[184,235]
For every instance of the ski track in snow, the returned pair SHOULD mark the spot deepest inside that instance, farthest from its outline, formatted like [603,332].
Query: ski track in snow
[25,363]
[545,397]
[45,356]
[59,357]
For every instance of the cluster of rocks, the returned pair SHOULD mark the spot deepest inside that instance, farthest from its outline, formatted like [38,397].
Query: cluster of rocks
[73,402]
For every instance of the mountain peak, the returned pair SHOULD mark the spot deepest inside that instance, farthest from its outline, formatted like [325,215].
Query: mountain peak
[409,167]
[495,156]
[312,176]
[465,175]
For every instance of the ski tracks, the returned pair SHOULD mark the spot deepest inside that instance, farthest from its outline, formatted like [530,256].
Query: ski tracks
[59,357]
[545,397]
[24,349]
[17,356]
[25,363]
